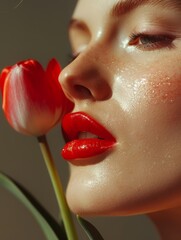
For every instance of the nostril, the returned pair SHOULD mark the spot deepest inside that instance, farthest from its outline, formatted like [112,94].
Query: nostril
[82,92]
[85,83]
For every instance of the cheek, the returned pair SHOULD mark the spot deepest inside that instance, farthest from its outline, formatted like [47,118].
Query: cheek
[152,82]
[155,88]
[165,90]
[159,97]
[163,81]
[156,101]
[151,92]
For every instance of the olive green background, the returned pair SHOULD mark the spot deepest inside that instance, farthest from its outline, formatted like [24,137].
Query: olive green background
[38,29]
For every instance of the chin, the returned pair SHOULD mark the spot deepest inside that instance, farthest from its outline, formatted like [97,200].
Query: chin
[89,202]
[83,203]
[94,201]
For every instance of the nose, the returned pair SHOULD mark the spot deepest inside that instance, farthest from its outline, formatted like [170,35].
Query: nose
[86,78]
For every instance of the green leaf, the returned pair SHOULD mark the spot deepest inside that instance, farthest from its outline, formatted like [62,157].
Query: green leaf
[51,229]
[90,230]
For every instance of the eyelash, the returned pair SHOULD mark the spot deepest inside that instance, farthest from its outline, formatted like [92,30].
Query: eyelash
[72,57]
[148,42]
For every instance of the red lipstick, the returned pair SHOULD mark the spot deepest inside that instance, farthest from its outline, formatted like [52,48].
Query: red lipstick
[85,137]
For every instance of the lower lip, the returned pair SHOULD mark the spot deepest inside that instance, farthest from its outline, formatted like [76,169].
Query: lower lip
[85,148]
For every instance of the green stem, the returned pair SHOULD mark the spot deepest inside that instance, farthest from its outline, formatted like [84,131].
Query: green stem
[55,179]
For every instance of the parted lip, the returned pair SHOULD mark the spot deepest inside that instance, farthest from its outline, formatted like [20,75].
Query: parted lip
[79,122]
[86,138]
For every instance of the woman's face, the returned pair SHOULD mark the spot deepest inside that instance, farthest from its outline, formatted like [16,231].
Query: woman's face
[126,76]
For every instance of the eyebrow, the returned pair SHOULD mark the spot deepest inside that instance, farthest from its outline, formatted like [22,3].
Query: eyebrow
[125,6]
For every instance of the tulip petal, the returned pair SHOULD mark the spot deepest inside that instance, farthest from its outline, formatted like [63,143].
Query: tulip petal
[53,69]
[33,100]
[3,76]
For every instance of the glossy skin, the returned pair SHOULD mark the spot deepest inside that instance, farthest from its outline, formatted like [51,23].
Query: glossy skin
[127,76]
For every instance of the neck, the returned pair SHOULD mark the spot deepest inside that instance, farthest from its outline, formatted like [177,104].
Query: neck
[168,223]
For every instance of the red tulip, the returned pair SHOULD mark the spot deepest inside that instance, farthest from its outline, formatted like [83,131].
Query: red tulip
[33,100]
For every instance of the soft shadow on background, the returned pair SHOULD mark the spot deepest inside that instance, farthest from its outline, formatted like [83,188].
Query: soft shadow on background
[38,29]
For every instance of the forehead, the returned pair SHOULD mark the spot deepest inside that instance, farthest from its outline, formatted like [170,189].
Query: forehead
[84,7]
[121,6]
[90,13]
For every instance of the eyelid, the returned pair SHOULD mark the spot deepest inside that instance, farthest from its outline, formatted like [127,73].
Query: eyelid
[134,35]
[74,55]
[79,35]
[153,41]
[79,50]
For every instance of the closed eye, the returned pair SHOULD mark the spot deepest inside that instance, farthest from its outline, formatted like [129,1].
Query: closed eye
[150,42]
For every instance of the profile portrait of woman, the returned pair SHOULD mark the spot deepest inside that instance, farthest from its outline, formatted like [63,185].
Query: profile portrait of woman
[122,139]
[125,83]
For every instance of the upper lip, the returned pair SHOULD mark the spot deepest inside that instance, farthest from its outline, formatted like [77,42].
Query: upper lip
[75,123]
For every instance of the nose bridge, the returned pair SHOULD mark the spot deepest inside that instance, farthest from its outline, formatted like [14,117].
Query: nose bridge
[87,76]
[94,53]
